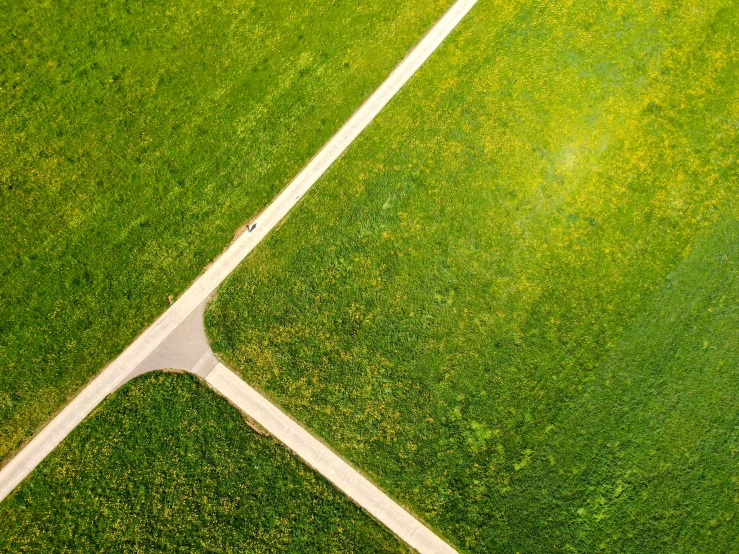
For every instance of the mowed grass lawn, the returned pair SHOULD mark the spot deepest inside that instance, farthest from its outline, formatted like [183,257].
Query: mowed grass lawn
[514,302]
[135,138]
[166,465]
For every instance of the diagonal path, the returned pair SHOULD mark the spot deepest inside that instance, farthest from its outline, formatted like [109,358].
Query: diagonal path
[321,458]
[176,338]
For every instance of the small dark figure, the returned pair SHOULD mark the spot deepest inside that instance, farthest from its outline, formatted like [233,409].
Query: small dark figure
[252,227]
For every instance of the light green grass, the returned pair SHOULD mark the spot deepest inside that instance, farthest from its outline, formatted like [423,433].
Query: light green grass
[166,465]
[513,303]
[135,138]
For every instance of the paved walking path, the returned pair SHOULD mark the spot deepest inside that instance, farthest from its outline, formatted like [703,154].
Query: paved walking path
[326,462]
[177,340]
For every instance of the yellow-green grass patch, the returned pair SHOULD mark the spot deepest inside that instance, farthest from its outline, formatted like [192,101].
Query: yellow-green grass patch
[513,302]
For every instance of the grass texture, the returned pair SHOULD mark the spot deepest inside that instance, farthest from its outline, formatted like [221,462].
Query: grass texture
[513,302]
[166,465]
[135,138]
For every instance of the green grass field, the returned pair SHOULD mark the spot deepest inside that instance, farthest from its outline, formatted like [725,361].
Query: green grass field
[513,302]
[166,465]
[135,138]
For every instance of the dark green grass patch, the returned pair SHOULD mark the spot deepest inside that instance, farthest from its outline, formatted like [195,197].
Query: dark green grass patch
[135,138]
[513,302]
[166,465]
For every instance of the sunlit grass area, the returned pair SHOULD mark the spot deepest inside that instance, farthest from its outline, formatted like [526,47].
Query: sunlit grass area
[166,465]
[135,138]
[513,302]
